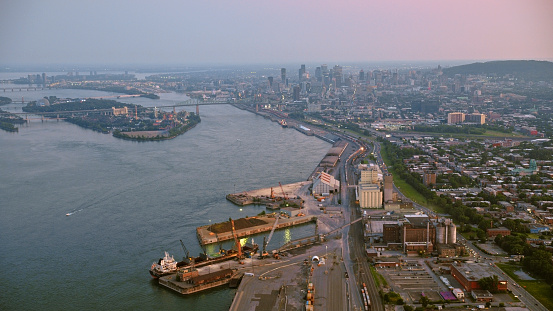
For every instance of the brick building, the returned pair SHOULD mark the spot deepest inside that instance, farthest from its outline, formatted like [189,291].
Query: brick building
[469,274]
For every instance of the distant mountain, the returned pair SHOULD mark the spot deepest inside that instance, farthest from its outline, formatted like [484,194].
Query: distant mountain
[527,69]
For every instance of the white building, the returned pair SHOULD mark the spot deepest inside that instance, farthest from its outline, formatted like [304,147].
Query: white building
[458,293]
[369,196]
[325,183]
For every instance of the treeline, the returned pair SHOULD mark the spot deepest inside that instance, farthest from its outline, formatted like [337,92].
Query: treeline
[88,104]
[8,127]
[455,181]
[115,89]
[5,100]
[462,129]
[8,121]
[89,124]
[450,129]
[536,260]
[462,214]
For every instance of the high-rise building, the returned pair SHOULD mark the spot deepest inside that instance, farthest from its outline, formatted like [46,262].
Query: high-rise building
[429,178]
[455,117]
[337,74]
[283,75]
[476,118]
[326,74]
[301,72]
[318,74]
[296,93]
[388,188]
[361,75]
[270,82]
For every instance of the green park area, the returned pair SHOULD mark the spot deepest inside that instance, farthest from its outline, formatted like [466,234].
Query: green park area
[537,288]
[407,189]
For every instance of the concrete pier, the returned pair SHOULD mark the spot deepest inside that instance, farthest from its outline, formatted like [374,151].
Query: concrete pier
[207,236]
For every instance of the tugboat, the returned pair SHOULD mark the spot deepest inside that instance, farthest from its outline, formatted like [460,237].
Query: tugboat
[283,123]
[164,266]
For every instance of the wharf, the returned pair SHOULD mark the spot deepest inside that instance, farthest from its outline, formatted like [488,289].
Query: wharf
[265,223]
[198,283]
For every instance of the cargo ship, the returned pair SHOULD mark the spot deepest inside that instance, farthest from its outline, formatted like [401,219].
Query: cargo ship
[167,265]
[163,266]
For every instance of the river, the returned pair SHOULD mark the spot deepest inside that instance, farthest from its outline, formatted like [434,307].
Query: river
[130,202]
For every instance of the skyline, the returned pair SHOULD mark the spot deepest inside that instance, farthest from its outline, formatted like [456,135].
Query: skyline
[248,32]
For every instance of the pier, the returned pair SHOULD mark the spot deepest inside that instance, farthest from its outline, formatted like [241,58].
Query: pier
[206,234]
[198,283]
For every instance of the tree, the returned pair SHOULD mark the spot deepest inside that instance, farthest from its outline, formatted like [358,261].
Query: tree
[489,283]
[424,301]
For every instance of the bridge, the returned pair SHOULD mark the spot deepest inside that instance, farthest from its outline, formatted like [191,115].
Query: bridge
[24,88]
[189,103]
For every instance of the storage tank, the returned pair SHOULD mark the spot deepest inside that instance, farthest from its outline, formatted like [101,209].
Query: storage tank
[440,234]
[452,234]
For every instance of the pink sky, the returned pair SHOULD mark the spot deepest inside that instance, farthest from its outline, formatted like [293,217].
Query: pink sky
[247,31]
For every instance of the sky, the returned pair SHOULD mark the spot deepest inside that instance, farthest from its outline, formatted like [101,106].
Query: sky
[278,31]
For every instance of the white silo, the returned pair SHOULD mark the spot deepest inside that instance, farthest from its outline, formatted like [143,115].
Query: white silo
[440,234]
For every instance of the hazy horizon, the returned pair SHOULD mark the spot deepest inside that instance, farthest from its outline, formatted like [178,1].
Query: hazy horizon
[223,33]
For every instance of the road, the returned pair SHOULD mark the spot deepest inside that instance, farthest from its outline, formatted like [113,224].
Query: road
[355,257]
[530,302]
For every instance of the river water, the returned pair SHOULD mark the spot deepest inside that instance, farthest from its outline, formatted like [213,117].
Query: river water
[130,201]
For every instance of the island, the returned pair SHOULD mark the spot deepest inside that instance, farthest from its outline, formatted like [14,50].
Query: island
[125,121]
[8,121]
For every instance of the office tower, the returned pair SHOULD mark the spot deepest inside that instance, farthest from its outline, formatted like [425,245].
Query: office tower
[337,74]
[318,74]
[301,72]
[283,75]
[296,93]
[361,75]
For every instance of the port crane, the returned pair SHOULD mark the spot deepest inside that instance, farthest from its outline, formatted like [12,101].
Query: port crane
[282,189]
[238,246]
[266,241]
[186,253]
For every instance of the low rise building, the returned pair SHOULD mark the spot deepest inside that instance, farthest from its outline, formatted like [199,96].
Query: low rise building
[493,232]
[468,274]
[458,293]
[481,295]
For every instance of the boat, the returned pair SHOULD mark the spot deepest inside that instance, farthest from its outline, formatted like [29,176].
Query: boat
[164,266]
[283,123]
[168,265]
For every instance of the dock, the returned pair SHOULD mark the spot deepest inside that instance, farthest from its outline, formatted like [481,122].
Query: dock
[198,283]
[252,225]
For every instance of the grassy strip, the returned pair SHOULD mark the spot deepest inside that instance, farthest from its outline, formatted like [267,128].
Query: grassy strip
[407,189]
[378,278]
[539,289]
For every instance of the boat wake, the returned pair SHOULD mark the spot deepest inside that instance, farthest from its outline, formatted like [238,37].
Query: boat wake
[73,212]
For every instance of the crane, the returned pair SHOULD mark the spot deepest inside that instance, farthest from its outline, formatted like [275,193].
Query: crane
[238,246]
[186,253]
[283,193]
[266,241]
